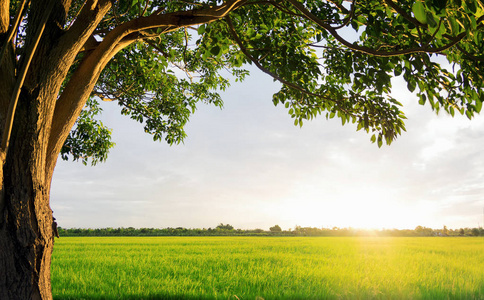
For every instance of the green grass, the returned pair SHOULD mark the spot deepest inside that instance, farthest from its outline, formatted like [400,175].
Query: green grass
[268,268]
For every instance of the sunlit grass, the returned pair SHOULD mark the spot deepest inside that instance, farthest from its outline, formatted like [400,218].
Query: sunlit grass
[271,268]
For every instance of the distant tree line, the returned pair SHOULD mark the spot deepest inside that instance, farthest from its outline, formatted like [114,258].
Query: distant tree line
[229,230]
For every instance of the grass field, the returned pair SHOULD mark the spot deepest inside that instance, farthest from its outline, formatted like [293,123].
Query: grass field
[268,268]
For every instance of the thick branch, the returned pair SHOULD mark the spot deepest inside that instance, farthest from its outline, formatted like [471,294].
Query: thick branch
[72,43]
[82,82]
[14,100]
[20,80]
[80,32]
[4,16]
[178,19]
[13,28]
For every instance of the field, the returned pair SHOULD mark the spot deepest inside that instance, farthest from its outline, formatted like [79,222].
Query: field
[268,268]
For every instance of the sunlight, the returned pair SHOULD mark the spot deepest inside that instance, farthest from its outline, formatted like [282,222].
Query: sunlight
[365,208]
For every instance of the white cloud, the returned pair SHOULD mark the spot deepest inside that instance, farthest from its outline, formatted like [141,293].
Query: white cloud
[249,166]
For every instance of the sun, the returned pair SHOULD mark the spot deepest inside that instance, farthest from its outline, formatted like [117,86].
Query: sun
[365,208]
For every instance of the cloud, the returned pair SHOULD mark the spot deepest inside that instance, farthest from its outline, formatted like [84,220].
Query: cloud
[249,166]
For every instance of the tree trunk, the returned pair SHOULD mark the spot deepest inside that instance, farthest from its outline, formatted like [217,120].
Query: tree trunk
[26,222]
[45,114]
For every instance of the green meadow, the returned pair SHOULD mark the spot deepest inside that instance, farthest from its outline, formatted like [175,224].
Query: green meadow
[268,268]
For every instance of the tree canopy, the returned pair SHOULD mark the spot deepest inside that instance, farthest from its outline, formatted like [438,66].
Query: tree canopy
[334,58]
[158,59]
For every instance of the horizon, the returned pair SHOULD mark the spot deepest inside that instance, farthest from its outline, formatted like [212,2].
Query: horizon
[287,230]
[249,166]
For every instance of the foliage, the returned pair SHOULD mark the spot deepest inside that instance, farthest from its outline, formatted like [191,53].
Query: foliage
[221,226]
[228,230]
[160,59]
[90,139]
[268,268]
[275,228]
[334,58]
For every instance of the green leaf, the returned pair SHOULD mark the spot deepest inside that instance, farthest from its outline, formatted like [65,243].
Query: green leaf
[398,70]
[430,19]
[411,85]
[438,6]
[478,105]
[471,6]
[418,9]
[215,50]
[373,138]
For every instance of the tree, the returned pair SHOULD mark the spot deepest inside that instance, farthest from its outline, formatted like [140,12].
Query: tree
[275,228]
[424,231]
[158,59]
[445,231]
[224,227]
[475,231]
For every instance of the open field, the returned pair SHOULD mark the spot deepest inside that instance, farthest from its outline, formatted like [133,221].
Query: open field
[269,268]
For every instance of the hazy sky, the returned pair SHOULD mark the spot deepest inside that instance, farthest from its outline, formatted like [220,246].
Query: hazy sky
[249,166]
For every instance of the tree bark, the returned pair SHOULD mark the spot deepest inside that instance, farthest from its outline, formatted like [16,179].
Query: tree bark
[44,115]
[26,226]
[26,221]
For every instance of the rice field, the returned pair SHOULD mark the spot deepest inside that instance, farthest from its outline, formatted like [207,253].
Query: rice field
[268,268]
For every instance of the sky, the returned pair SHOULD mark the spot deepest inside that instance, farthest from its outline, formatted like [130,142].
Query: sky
[249,166]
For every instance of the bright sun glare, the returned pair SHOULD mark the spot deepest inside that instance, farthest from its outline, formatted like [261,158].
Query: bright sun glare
[365,208]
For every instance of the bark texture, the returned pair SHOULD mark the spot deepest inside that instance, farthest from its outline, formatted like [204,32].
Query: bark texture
[26,238]
[26,221]
[48,105]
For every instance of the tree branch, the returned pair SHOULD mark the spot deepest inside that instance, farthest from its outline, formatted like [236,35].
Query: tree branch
[14,99]
[4,16]
[339,103]
[20,79]
[82,82]
[469,55]
[347,20]
[273,75]
[368,50]
[71,43]
[13,28]
[405,14]
[340,6]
